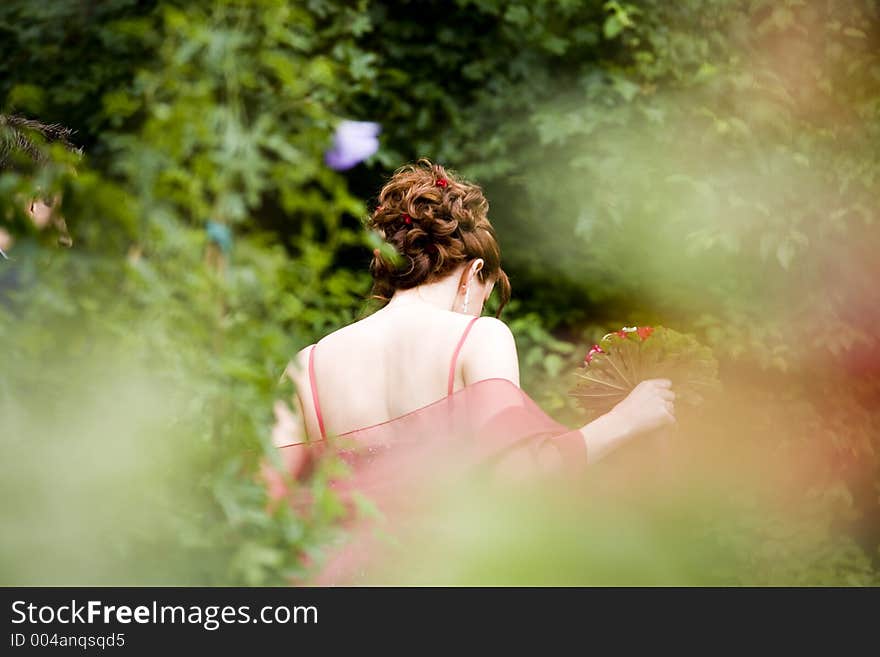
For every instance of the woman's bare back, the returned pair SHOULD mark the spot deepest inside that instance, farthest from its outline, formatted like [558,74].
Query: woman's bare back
[393,362]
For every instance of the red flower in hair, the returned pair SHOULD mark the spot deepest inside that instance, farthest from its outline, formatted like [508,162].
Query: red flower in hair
[406,218]
[441,182]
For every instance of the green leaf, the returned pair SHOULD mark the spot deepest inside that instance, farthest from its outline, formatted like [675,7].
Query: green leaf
[612,27]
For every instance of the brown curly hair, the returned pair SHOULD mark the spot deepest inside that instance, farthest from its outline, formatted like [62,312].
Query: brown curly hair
[435,221]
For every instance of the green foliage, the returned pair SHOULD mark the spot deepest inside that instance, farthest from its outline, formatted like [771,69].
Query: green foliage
[231,118]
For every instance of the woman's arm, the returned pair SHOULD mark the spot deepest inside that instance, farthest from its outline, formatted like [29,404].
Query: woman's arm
[289,433]
[292,450]
[490,352]
[649,406]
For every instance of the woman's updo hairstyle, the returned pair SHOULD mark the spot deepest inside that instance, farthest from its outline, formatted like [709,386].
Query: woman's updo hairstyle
[435,221]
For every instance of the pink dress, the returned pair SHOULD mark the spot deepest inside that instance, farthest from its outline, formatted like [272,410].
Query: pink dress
[490,427]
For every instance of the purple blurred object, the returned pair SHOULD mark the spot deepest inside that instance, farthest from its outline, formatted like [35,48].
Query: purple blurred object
[353,142]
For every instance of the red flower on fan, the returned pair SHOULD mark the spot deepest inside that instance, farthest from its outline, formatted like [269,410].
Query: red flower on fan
[595,349]
[644,332]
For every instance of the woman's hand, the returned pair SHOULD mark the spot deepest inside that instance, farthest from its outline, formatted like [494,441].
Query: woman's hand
[649,406]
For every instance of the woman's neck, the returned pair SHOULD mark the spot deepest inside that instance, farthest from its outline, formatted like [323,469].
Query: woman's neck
[439,294]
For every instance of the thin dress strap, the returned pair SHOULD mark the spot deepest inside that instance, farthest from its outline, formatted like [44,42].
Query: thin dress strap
[455,355]
[315,392]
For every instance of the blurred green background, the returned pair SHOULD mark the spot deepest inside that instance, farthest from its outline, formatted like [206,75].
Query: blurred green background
[712,166]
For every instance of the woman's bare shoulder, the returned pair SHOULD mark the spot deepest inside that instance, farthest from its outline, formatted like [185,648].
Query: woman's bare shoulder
[490,352]
[492,329]
[298,367]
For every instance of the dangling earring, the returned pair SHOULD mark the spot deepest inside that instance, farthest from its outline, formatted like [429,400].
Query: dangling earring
[467,296]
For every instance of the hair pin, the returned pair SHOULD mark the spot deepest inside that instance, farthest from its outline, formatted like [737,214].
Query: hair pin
[406,218]
[441,182]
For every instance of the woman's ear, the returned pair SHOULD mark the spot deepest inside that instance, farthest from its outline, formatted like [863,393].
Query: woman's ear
[476,266]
